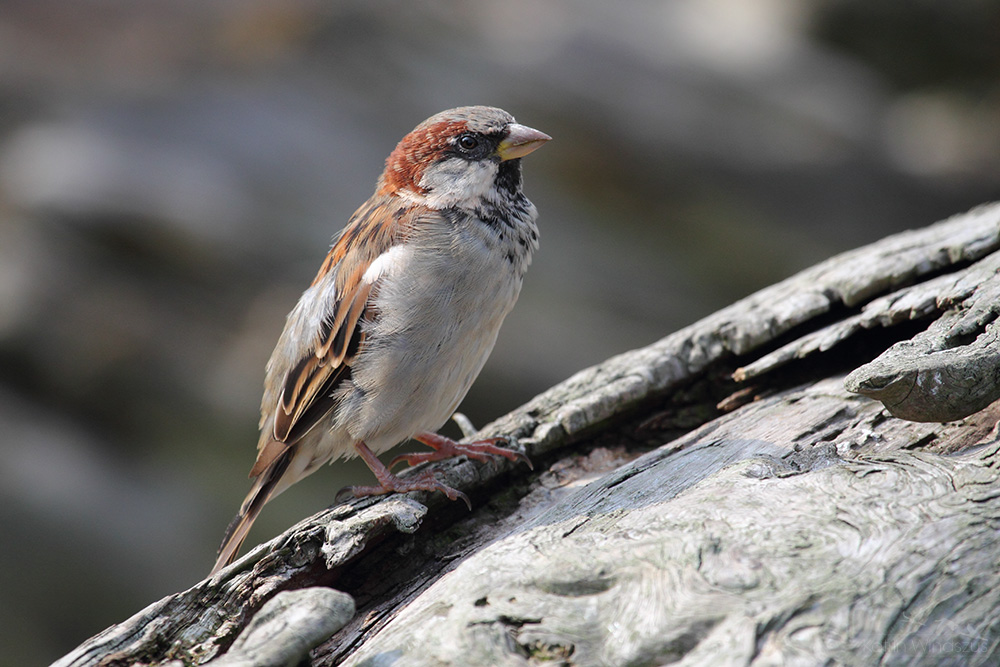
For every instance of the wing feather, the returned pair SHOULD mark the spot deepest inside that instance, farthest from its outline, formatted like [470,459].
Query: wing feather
[307,387]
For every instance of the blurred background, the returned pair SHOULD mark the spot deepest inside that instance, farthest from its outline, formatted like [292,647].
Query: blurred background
[171,174]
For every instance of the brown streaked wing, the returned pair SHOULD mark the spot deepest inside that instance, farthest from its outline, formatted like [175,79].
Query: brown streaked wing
[313,373]
[306,395]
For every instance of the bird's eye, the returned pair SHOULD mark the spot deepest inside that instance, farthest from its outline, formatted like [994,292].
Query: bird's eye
[468,142]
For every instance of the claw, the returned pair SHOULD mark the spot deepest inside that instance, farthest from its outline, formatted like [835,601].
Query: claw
[389,483]
[392,484]
[446,448]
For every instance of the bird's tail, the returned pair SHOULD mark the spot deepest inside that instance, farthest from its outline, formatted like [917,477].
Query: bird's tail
[263,489]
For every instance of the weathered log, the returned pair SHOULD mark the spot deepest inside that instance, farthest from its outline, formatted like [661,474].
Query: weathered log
[728,546]
[286,628]
[803,524]
[952,369]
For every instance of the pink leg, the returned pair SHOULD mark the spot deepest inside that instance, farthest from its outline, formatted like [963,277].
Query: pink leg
[446,448]
[389,483]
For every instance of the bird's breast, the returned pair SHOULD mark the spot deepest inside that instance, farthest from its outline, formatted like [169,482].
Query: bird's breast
[438,313]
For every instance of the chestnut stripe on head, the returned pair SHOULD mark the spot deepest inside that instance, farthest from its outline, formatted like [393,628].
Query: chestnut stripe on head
[404,166]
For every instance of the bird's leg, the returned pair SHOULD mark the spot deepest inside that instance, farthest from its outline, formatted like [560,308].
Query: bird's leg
[389,483]
[446,448]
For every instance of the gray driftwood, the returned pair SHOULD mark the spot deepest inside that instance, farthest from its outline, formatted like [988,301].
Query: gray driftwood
[774,518]
[287,627]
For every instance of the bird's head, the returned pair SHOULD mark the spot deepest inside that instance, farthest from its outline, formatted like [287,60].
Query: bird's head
[459,157]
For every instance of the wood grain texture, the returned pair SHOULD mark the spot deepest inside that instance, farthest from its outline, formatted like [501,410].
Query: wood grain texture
[952,369]
[287,627]
[730,542]
[795,524]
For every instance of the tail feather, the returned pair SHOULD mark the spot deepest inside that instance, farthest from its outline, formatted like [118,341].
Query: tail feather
[263,490]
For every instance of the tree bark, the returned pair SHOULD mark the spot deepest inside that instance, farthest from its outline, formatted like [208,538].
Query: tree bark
[718,497]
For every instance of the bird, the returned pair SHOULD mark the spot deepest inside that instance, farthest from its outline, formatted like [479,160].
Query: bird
[402,314]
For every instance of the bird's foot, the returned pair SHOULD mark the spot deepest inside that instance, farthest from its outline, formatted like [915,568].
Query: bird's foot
[446,448]
[390,483]
[425,481]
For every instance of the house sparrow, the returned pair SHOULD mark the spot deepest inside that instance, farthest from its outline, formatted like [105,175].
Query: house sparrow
[403,313]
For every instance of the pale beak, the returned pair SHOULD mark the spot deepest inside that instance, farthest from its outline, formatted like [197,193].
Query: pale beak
[520,141]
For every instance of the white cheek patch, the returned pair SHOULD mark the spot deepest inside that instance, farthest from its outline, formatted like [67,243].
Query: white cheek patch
[456,181]
[388,263]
